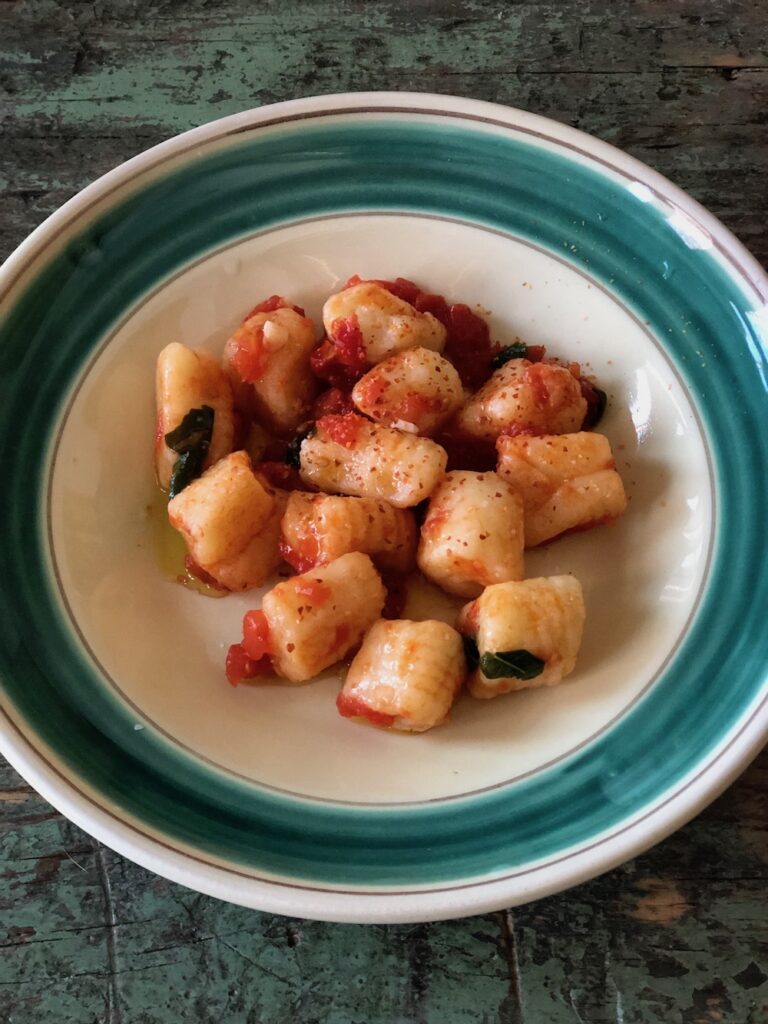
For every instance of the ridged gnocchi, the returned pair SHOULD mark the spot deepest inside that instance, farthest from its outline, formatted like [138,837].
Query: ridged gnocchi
[267,359]
[186,379]
[472,534]
[387,324]
[350,455]
[317,528]
[416,390]
[527,633]
[314,619]
[231,523]
[406,675]
[566,481]
[522,395]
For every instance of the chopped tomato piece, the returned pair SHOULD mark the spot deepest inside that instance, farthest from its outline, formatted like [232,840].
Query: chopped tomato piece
[350,706]
[239,665]
[340,359]
[315,591]
[465,452]
[344,430]
[436,305]
[334,401]
[303,558]
[535,353]
[403,289]
[271,304]
[256,639]
[249,358]
[415,406]
[536,378]
[279,474]
[469,346]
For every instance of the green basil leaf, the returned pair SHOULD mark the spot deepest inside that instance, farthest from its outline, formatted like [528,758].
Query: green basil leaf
[518,350]
[191,441]
[511,665]
[471,652]
[293,452]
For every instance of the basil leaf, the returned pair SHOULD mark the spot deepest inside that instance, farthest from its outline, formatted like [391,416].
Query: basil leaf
[293,452]
[471,652]
[518,350]
[191,441]
[511,665]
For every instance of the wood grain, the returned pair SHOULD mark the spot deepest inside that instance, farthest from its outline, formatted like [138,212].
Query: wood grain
[681,933]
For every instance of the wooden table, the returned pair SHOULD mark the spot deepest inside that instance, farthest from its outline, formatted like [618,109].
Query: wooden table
[681,933]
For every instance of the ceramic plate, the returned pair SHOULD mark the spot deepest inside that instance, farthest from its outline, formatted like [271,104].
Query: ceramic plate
[114,703]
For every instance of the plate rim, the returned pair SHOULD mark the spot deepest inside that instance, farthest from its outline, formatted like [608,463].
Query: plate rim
[669,813]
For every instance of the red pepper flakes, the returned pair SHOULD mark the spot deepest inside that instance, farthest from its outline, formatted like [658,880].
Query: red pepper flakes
[344,430]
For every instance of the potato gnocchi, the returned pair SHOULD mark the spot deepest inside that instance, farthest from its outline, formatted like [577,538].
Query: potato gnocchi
[399,440]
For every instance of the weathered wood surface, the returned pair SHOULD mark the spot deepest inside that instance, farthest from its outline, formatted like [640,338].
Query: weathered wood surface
[681,933]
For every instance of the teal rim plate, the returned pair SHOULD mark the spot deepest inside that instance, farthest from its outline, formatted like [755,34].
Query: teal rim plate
[113,700]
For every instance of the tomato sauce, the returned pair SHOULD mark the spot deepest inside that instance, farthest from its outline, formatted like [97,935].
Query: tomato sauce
[344,430]
[333,402]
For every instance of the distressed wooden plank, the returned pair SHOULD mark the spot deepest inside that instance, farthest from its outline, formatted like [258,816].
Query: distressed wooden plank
[678,934]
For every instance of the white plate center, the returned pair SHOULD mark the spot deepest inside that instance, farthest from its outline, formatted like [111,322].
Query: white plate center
[164,646]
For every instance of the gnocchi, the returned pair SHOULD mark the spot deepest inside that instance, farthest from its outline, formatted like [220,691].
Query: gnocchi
[386,324]
[314,619]
[317,528]
[416,390]
[406,675]
[231,523]
[267,359]
[350,455]
[472,534]
[186,380]
[566,481]
[527,633]
[522,395]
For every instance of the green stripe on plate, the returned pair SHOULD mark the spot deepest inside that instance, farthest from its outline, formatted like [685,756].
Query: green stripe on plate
[514,186]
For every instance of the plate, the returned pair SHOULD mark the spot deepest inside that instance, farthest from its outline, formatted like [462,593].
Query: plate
[114,704]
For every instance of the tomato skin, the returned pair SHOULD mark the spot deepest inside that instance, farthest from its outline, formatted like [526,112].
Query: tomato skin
[344,430]
[535,353]
[301,560]
[333,402]
[271,304]
[256,639]
[436,305]
[239,665]
[350,706]
[249,358]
